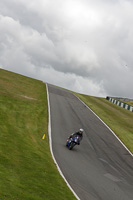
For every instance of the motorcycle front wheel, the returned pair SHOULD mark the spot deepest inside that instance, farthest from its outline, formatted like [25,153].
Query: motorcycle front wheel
[71,146]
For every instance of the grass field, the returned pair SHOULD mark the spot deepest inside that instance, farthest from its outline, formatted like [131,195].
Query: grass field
[130,103]
[118,119]
[27,170]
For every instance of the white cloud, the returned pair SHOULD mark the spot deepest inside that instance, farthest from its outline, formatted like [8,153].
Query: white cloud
[86,42]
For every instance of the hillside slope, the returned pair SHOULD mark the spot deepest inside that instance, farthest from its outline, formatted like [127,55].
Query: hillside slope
[27,170]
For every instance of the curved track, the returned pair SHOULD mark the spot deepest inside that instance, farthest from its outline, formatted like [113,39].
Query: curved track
[100,168]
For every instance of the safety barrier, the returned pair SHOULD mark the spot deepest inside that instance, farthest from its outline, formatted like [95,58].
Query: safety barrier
[119,103]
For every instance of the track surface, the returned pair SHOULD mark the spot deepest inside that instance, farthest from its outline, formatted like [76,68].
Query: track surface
[98,169]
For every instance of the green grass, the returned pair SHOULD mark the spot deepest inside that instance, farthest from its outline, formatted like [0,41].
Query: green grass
[129,103]
[27,170]
[118,119]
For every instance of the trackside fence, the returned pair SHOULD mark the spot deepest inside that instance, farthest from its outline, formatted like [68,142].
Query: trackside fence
[119,103]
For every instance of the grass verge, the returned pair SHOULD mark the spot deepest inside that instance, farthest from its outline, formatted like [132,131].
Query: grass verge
[27,170]
[118,119]
[129,103]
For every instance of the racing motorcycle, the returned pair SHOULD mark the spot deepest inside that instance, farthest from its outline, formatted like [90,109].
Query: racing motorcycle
[71,142]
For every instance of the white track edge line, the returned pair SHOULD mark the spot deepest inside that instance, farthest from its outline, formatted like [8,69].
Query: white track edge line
[50,144]
[106,126]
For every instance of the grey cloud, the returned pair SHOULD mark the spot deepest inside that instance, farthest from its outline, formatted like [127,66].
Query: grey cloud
[80,41]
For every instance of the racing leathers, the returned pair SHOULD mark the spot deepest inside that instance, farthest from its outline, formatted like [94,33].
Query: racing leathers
[79,134]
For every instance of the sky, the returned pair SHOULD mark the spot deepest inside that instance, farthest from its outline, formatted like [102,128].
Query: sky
[82,45]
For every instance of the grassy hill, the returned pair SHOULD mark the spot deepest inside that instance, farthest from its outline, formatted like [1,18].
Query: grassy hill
[27,170]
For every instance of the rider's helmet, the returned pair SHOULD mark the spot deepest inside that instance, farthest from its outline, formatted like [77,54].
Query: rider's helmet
[81,130]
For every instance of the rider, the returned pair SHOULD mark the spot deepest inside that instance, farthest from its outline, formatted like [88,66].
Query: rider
[79,133]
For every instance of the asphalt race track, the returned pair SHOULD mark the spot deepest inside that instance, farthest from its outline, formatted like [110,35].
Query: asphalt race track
[100,168]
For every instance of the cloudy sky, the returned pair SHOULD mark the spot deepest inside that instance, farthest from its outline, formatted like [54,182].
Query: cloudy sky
[82,45]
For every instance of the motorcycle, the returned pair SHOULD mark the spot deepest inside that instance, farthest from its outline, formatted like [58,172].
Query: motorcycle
[71,142]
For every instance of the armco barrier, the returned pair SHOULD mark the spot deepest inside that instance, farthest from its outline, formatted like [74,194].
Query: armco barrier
[119,103]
